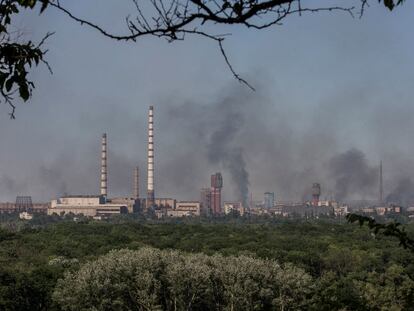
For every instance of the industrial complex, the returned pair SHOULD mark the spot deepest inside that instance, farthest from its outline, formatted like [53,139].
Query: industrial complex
[210,204]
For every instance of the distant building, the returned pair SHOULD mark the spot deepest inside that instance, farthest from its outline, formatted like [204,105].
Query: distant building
[303,211]
[9,207]
[381,210]
[175,213]
[165,203]
[216,185]
[205,200]
[86,205]
[132,204]
[25,216]
[269,199]
[231,207]
[368,210]
[316,193]
[327,203]
[340,211]
[193,207]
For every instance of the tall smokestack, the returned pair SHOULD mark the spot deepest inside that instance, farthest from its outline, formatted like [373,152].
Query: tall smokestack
[104,172]
[150,181]
[381,190]
[136,183]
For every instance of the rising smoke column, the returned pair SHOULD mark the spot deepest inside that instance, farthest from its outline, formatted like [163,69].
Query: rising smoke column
[403,193]
[222,149]
[352,174]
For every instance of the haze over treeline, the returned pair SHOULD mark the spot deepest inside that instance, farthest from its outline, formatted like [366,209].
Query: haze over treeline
[333,99]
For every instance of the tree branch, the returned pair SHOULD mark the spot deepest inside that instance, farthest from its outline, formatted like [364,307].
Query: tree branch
[182,17]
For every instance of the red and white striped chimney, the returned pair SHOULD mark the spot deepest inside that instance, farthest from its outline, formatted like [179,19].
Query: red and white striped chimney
[104,172]
[150,180]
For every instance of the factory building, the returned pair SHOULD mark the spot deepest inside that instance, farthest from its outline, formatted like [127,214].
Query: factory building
[87,205]
[97,205]
[233,207]
[12,207]
[165,203]
[269,200]
[304,211]
[194,207]
[181,209]
[216,186]
[205,200]
[132,204]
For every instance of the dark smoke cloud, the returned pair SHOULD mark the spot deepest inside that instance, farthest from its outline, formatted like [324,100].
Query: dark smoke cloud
[11,185]
[402,194]
[255,141]
[214,135]
[73,174]
[260,142]
[353,175]
[223,148]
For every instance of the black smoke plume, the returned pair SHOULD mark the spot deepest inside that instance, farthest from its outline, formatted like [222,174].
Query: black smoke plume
[353,175]
[223,149]
[403,193]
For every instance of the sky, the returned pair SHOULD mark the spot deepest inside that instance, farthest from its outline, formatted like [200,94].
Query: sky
[333,98]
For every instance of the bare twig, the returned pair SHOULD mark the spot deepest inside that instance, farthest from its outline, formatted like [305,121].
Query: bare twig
[176,18]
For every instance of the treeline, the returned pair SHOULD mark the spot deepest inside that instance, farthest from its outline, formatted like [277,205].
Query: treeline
[342,266]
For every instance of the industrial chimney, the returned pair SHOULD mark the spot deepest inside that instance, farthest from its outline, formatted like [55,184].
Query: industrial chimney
[136,183]
[104,172]
[316,193]
[150,181]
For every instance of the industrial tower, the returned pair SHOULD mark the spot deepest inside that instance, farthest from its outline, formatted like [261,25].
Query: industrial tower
[316,193]
[150,181]
[104,172]
[216,185]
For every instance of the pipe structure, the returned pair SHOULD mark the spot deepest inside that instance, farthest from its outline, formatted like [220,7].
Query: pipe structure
[136,183]
[104,172]
[150,180]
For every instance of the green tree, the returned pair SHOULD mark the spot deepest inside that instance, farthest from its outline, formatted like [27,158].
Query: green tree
[150,279]
[392,290]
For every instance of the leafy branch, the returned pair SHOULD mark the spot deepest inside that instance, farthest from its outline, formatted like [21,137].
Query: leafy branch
[390,229]
[17,58]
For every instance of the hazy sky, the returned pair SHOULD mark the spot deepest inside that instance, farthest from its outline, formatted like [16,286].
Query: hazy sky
[334,96]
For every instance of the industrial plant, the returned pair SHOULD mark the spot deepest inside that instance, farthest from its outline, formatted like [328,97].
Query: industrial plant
[103,205]
[210,204]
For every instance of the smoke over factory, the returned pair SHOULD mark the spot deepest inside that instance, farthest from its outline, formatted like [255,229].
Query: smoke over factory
[237,139]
